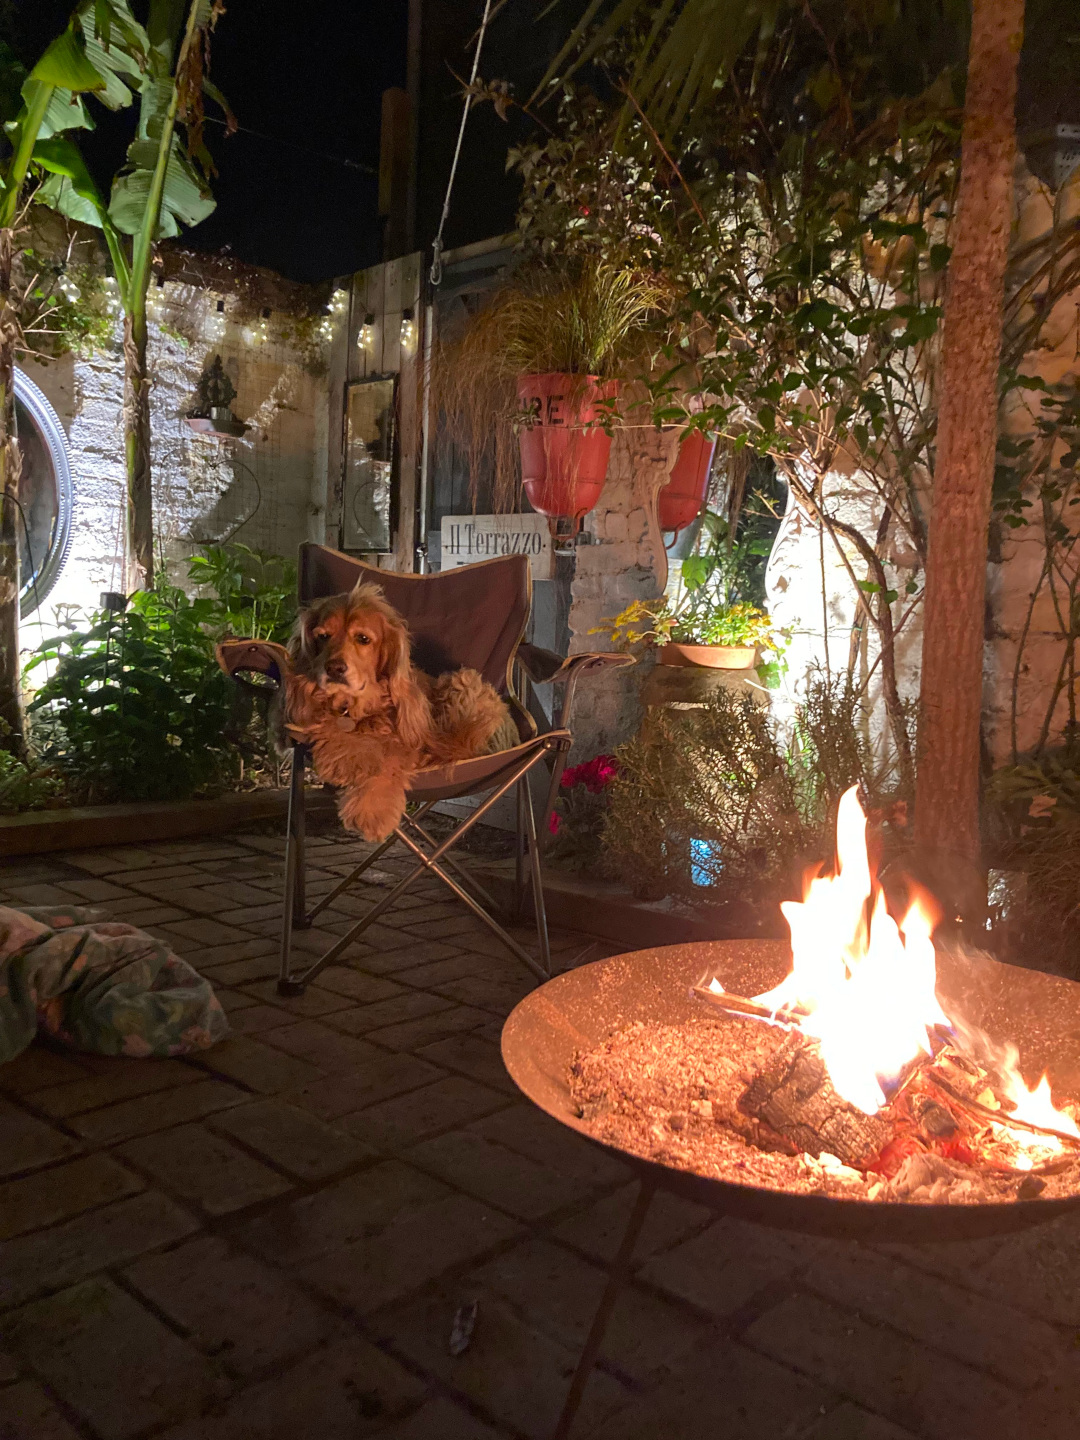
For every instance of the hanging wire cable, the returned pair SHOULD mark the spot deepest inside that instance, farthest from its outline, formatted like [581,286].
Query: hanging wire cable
[436,260]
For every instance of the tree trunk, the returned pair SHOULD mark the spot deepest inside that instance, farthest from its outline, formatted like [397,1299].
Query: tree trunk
[947,789]
[140,509]
[10,466]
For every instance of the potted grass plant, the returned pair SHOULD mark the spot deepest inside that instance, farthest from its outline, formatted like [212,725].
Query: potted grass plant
[529,387]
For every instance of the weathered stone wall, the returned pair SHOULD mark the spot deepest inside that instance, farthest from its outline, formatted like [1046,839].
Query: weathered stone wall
[266,490]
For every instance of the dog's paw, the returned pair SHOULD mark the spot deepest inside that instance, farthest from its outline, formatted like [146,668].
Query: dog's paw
[374,809]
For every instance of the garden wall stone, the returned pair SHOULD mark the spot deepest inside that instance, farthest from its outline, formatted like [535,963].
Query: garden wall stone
[266,490]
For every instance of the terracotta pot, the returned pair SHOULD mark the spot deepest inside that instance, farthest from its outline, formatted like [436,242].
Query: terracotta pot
[712,657]
[564,453]
[682,499]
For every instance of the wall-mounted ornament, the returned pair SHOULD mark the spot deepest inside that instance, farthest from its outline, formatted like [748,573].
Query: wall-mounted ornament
[212,413]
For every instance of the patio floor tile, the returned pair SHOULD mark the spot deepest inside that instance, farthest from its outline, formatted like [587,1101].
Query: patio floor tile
[204,1169]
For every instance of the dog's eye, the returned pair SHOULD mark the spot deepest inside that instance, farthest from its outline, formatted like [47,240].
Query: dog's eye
[320,635]
[362,639]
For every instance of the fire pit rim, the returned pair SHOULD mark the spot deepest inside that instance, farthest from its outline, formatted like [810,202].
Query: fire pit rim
[541,1023]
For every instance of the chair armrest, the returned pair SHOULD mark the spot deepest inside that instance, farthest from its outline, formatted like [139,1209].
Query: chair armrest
[544,667]
[261,656]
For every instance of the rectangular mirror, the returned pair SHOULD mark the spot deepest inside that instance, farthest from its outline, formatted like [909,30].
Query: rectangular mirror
[370,437]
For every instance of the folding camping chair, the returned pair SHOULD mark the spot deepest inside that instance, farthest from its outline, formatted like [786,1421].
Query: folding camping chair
[474,616]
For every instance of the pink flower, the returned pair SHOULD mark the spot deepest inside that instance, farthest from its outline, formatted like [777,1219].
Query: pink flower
[554,822]
[595,774]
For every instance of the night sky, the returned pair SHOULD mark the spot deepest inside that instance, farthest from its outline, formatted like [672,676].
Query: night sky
[310,77]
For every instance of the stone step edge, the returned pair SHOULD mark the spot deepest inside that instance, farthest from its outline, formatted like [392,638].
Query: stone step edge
[604,910]
[37,832]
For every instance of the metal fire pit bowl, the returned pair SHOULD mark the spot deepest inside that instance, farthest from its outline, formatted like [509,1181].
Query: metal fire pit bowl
[1039,1013]
[576,1011]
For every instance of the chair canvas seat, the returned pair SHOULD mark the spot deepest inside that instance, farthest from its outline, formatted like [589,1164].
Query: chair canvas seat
[468,777]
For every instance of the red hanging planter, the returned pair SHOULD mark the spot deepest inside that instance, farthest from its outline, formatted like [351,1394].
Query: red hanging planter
[564,450]
[683,498]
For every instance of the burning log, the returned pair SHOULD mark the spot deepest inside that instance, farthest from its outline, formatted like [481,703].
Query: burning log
[793,1101]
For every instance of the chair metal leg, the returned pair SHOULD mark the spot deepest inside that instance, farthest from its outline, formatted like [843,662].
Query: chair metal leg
[539,907]
[519,853]
[427,862]
[617,1276]
[553,789]
[292,910]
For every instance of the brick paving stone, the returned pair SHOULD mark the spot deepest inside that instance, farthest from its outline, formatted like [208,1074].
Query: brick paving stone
[42,894]
[203,931]
[915,1387]
[233,1000]
[725,1391]
[380,1079]
[27,1413]
[253,1018]
[142,913]
[34,1068]
[530,1132]
[156,1112]
[301,1230]
[439,1420]
[204,1169]
[327,1049]
[360,988]
[401,1122]
[468,1055]
[721,1269]
[430,952]
[111,1360]
[849,1422]
[293,1140]
[206,956]
[9,1369]
[436,972]
[409,1252]
[261,1067]
[511,1372]
[496,995]
[234,893]
[248,914]
[94,862]
[93,891]
[343,1392]
[412,1005]
[27,1143]
[48,1196]
[1018,1348]
[231,1306]
[558,1293]
[114,1235]
[515,1183]
[415,1033]
[124,1079]
[239,972]
[312,1002]
[598,1230]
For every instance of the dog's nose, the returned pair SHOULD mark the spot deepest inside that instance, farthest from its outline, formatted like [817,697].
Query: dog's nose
[335,669]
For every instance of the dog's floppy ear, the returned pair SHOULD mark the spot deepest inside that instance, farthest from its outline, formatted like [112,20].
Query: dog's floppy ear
[413,711]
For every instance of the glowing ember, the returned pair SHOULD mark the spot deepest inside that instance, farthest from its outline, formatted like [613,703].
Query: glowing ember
[865,987]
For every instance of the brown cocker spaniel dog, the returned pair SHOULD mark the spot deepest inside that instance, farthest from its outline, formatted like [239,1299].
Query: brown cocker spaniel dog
[371,718]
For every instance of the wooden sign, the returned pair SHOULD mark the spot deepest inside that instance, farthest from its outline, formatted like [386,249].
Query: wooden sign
[469,538]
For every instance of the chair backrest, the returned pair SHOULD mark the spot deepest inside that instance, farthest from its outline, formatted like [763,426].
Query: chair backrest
[472,616]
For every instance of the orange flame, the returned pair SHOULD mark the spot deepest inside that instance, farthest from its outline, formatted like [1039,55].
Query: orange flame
[866,988]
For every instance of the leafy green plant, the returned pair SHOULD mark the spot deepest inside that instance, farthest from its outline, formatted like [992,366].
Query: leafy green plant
[255,591]
[135,707]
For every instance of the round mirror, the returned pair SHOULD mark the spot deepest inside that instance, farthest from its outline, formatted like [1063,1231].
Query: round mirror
[46,494]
